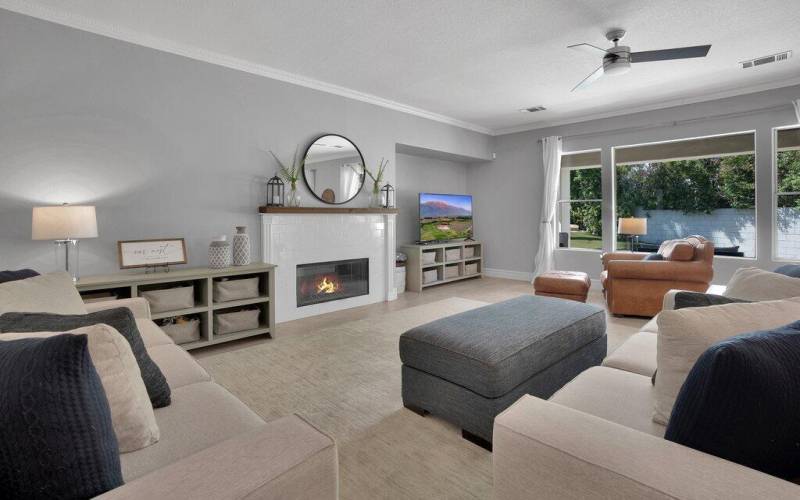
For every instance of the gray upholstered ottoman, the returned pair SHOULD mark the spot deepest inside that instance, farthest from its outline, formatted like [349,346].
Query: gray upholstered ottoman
[469,367]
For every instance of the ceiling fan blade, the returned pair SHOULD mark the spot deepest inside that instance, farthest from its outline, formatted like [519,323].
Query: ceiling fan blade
[596,74]
[587,48]
[667,54]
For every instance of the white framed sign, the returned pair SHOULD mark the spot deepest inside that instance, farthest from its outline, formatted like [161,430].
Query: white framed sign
[147,253]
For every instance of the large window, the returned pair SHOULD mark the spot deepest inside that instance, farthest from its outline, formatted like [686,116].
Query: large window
[580,223]
[699,186]
[787,195]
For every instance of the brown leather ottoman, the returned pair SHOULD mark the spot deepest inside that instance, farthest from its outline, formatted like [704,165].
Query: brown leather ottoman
[571,285]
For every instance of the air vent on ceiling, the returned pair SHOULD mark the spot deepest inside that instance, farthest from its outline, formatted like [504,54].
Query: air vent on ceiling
[532,109]
[760,61]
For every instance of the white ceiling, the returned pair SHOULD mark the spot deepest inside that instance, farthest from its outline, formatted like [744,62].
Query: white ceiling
[469,62]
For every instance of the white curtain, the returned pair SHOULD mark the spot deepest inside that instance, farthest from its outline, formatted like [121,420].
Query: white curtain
[551,161]
[796,104]
[348,180]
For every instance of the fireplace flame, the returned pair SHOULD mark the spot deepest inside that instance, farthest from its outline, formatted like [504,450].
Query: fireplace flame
[327,286]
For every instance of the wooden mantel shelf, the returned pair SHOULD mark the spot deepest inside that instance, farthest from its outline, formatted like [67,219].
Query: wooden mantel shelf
[325,210]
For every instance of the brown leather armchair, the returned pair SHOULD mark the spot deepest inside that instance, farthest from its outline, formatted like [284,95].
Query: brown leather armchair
[636,287]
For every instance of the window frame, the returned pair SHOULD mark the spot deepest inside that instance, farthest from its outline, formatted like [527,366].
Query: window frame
[754,132]
[776,194]
[560,202]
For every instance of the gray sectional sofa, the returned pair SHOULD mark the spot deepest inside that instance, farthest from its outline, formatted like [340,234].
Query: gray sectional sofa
[212,445]
[596,438]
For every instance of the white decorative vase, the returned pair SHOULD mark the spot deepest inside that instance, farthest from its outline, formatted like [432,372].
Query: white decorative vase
[241,246]
[219,253]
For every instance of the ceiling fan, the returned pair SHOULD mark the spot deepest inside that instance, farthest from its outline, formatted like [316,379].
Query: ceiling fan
[617,59]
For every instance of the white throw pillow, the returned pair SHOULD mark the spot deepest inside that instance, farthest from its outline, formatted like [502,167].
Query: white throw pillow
[685,334]
[752,283]
[131,412]
[49,293]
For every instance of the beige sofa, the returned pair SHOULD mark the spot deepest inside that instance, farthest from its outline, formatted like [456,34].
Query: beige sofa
[595,438]
[212,445]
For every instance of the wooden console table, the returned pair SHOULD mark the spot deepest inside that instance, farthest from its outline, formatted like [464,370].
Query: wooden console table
[124,285]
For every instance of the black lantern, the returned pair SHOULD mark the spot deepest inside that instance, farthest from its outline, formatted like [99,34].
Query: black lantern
[275,192]
[387,196]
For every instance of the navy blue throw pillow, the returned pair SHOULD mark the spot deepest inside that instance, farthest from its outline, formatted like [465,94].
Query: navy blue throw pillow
[654,256]
[791,270]
[120,318]
[740,402]
[56,438]
[6,276]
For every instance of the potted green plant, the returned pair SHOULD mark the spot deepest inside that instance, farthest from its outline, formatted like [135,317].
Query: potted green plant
[377,179]
[290,175]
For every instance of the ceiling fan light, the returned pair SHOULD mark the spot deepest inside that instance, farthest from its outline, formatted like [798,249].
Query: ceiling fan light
[618,67]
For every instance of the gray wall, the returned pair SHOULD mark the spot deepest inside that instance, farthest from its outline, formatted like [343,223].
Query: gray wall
[508,191]
[163,145]
[417,174]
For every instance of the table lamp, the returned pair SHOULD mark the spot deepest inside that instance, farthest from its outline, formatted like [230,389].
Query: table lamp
[633,227]
[65,224]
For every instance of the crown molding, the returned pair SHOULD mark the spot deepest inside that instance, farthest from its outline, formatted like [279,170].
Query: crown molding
[650,107]
[162,44]
[116,32]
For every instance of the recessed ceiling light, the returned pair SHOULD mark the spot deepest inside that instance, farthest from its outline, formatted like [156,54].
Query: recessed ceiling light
[532,109]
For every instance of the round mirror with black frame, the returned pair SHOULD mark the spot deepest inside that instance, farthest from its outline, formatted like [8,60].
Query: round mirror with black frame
[333,169]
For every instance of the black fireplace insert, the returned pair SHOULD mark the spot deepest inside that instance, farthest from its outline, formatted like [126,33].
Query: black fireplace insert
[326,281]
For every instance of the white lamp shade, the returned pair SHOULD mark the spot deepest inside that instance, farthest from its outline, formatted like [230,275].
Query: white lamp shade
[64,222]
[632,225]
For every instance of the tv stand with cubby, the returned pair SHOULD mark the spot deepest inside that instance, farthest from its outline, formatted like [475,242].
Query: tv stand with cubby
[127,285]
[436,264]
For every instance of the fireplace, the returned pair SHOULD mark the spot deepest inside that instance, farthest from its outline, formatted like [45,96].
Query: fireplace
[326,281]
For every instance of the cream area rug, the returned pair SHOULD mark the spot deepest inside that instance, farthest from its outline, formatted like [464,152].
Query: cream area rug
[345,379]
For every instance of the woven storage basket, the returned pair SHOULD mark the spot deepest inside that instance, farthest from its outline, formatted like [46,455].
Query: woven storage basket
[225,291]
[430,276]
[236,321]
[452,254]
[170,299]
[451,271]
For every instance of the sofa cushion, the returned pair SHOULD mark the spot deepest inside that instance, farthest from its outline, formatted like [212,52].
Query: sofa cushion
[177,365]
[200,415]
[677,250]
[56,436]
[131,412]
[635,355]
[50,293]
[286,458]
[752,283]
[615,395]
[492,349]
[740,402]
[120,318]
[685,334]
[654,256]
[21,274]
[151,334]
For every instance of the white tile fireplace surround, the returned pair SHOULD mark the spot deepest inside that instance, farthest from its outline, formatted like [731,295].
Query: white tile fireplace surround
[288,240]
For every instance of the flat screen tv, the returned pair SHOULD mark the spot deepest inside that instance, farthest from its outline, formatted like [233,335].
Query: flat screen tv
[444,217]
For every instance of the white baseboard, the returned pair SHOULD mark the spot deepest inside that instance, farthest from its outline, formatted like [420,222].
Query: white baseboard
[509,275]
[523,276]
